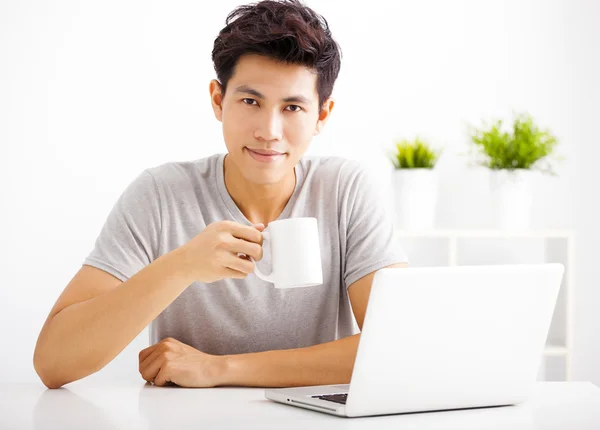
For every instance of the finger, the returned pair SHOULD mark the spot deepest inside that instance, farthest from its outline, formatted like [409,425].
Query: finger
[259,227]
[233,274]
[240,264]
[163,376]
[246,232]
[152,368]
[237,246]
[144,353]
[149,359]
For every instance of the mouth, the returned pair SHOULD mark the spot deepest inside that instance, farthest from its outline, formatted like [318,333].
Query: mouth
[265,155]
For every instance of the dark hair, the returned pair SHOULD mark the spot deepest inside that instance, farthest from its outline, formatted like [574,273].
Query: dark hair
[284,30]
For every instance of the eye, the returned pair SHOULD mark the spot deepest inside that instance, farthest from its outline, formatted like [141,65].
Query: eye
[249,101]
[295,108]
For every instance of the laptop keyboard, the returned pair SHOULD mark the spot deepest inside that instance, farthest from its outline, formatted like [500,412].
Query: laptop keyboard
[336,398]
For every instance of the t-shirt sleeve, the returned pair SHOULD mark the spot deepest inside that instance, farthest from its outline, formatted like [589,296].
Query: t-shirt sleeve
[129,239]
[371,242]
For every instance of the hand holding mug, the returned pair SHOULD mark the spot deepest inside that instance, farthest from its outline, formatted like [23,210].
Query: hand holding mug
[214,253]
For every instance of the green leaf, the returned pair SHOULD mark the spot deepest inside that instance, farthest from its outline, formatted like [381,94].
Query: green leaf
[414,154]
[523,148]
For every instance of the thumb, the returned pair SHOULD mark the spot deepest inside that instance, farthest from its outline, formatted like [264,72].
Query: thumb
[259,226]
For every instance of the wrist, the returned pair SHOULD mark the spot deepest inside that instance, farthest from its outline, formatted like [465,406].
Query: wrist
[227,369]
[179,263]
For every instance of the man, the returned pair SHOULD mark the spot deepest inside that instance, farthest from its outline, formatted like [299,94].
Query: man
[169,254]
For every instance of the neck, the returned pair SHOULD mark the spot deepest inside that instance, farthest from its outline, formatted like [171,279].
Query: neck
[259,203]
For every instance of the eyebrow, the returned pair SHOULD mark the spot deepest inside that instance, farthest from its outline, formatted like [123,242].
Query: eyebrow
[248,90]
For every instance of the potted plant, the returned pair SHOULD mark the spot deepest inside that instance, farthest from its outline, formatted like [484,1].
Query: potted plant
[513,156]
[415,183]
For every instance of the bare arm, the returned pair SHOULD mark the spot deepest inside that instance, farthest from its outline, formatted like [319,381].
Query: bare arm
[97,316]
[324,364]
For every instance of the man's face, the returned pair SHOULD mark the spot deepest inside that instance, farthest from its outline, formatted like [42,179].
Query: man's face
[270,113]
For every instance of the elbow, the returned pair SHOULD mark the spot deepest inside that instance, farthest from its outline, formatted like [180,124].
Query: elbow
[41,363]
[52,385]
[53,376]
[46,371]
[43,373]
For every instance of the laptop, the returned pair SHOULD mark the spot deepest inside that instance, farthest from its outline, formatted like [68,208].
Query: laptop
[443,338]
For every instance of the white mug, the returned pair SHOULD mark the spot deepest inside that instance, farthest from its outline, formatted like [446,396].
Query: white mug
[295,253]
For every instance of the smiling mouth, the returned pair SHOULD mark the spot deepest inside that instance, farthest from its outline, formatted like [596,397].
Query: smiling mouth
[265,155]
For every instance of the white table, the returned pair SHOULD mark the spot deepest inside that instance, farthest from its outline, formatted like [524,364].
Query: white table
[123,405]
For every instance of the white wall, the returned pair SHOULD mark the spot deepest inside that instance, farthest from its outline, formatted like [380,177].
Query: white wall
[91,93]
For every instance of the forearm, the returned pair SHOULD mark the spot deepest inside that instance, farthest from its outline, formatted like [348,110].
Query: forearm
[84,337]
[323,364]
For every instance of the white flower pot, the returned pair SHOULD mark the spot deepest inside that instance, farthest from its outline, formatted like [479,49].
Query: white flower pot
[512,198]
[415,198]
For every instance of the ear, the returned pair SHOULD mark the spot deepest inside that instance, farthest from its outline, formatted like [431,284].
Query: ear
[216,98]
[324,115]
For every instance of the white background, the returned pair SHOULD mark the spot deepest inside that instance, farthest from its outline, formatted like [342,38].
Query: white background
[91,93]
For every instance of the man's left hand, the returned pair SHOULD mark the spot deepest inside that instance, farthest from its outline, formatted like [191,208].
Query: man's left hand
[171,361]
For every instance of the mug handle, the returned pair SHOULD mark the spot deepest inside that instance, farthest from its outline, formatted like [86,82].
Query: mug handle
[257,272]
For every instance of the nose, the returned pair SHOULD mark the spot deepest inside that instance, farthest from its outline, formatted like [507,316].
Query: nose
[270,127]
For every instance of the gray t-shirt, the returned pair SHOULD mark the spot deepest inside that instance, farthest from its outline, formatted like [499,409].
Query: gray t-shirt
[167,205]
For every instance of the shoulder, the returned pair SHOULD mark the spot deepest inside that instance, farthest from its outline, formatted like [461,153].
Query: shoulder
[333,170]
[352,183]
[184,174]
